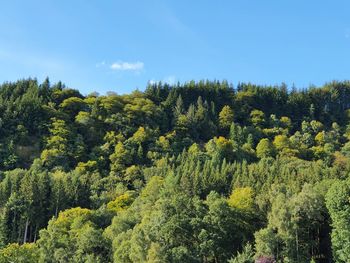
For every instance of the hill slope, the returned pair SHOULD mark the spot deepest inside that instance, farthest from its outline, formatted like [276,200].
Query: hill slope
[196,172]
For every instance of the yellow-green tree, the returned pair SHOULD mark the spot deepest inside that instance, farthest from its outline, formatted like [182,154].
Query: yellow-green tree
[257,118]
[242,198]
[226,117]
[265,148]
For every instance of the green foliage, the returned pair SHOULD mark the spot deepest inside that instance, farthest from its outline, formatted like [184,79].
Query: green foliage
[337,201]
[294,225]
[242,198]
[63,147]
[122,202]
[26,253]
[265,148]
[225,117]
[192,172]
[72,105]
[257,118]
[73,237]
[246,256]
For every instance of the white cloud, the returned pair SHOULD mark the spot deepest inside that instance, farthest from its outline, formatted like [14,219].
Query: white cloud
[132,66]
[152,82]
[171,80]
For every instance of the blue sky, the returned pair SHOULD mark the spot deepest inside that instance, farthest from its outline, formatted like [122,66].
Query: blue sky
[121,45]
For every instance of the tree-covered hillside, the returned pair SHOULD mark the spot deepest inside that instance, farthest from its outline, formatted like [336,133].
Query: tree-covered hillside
[194,172]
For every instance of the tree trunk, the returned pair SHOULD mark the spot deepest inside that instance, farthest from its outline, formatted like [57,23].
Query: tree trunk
[57,202]
[297,244]
[36,229]
[25,231]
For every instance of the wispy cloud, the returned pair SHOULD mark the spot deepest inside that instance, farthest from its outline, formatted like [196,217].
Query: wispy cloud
[152,82]
[171,80]
[347,33]
[130,66]
[100,64]
[167,18]
[32,60]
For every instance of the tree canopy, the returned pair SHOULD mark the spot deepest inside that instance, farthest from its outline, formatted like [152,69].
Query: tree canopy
[193,172]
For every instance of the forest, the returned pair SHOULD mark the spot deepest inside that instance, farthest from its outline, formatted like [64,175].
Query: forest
[201,171]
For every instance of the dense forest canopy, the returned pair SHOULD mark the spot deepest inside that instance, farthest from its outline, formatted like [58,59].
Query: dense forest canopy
[193,172]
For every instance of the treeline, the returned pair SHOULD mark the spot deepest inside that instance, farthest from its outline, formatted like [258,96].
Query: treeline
[194,172]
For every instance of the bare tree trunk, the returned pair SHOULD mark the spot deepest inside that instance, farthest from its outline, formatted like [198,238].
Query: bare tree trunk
[297,243]
[57,201]
[25,231]
[30,233]
[19,233]
[36,229]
